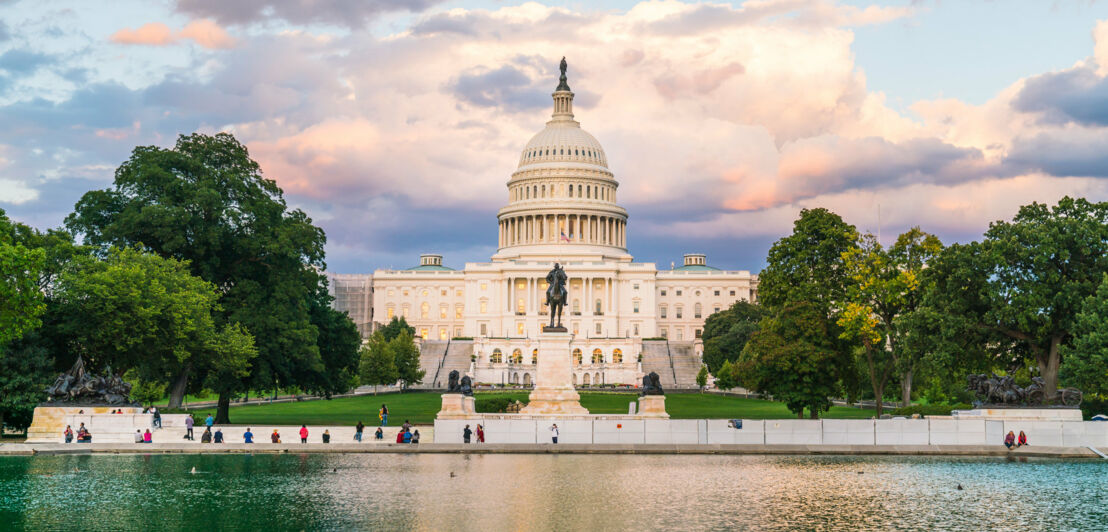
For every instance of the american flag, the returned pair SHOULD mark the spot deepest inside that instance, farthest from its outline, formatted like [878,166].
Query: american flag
[564,237]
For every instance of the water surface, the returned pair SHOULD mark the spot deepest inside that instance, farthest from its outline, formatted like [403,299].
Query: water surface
[549,492]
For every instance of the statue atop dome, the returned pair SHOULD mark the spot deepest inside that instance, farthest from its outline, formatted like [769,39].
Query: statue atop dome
[562,84]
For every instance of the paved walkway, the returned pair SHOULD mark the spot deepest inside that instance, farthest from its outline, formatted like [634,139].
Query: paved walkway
[240,448]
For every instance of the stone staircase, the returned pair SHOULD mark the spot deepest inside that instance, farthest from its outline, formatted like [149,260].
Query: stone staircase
[686,364]
[457,358]
[655,357]
[431,354]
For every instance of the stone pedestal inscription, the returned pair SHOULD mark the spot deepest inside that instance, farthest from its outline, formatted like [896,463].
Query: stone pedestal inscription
[554,392]
[457,406]
[653,406]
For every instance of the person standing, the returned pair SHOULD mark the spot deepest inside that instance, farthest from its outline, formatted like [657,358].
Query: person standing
[358,431]
[157,417]
[384,415]
[407,425]
[209,421]
[303,434]
[247,437]
[188,427]
[554,433]
[480,433]
[68,434]
[466,433]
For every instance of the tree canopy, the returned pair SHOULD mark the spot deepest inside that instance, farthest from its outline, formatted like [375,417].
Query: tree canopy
[726,333]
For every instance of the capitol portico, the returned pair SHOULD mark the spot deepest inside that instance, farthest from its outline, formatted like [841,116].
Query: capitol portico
[625,317]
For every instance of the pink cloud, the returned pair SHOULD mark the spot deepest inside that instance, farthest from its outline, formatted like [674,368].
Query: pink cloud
[203,32]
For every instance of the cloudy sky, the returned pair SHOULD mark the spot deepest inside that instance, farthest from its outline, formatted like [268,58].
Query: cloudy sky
[395,123]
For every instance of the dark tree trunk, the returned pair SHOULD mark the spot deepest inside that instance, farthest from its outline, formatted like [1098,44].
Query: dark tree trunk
[906,388]
[878,383]
[800,414]
[1048,368]
[813,413]
[223,409]
[180,385]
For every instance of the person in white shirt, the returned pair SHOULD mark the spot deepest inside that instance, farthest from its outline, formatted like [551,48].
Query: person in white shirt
[554,433]
[138,436]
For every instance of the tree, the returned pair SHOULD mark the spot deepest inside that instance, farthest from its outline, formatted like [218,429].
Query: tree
[406,359]
[793,357]
[232,349]
[1086,360]
[395,327]
[206,201]
[1017,293]
[884,287]
[725,377]
[338,341]
[378,365]
[807,268]
[25,369]
[21,298]
[726,333]
[702,377]
[136,310]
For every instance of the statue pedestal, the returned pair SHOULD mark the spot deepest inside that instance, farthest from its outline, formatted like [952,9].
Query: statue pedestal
[457,406]
[653,406]
[554,392]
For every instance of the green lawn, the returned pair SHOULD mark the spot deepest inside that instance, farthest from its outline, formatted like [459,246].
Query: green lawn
[421,407]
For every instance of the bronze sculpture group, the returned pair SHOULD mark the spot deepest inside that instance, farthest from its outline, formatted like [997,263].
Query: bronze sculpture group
[80,387]
[556,296]
[997,390]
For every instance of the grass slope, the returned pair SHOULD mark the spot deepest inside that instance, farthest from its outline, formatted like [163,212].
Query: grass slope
[421,407]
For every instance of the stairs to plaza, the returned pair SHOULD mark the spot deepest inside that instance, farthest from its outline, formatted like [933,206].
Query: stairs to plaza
[686,364]
[655,357]
[457,357]
[431,355]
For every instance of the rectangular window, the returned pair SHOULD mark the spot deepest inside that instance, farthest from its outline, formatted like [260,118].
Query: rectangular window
[484,307]
[717,292]
[459,293]
[457,331]
[678,293]
[484,329]
[443,292]
[599,328]
[665,332]
[698,333]
[404,313]
[714,310]
[635,286]
[678,312]
[442,333]
[484,286]
[635,330]
[423,333]
[442,312]
[732,293]
[519,328]
[635,307]
[458,311]
[680,333]
[389,313]
[662,312]
[663,293]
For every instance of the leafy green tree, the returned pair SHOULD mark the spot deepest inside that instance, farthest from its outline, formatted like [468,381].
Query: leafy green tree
[232,349]
[138,310]
[146,392]
[726,333]
[207,202]
[725,377]
[406,359]
[395,327]
[793,357]
[21,298]
[702,377]
[378,365]
[1086,360]
[1017,293]
[807,268]
[338,341]
[884,287]
[25,369]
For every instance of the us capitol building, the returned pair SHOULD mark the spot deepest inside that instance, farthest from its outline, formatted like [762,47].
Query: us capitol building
[626,318]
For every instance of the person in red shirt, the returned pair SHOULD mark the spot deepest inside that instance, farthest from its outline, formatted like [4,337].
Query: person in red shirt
[1022,440]
[480,434]
[400,436]
[303,434]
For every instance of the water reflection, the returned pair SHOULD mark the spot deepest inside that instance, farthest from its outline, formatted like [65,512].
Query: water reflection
[550,492]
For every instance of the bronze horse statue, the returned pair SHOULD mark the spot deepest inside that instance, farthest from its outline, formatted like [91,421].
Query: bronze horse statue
[556,293]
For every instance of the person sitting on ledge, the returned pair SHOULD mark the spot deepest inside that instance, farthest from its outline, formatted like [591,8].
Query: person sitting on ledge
[326,436]
[1022,440]
[275,437]
[68,434]
[415,436]
[219,435]
[400,436]
[379,435]
[83,435]
[147,437]
[248,437]
[138,436]
[1010,440]
[206,437]
[407,436]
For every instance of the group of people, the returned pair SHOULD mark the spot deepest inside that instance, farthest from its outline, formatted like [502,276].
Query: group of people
[467,434]
[83,434]
[209,423]
[406,435]
[1012,442]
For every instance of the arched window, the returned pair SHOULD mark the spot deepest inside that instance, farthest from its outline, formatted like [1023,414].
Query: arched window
[534,356]
[576,356]
[424,310]
[497,357]
[585,380]
[517,356]
[597,356]
[696,311]
[617,356]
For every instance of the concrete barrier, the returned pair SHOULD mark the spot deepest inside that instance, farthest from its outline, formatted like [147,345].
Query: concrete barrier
[673,430]
[753,432]
[958,432]
[848,432]
[618,431]
[901,432]
[794,431]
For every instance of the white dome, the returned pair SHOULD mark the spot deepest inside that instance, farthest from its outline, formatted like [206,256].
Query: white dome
[563,141]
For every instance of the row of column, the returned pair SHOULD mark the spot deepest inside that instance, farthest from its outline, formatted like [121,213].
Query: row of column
[534,295]
[554,228]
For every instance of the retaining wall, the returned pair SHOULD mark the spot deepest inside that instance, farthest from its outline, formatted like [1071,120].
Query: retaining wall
[779,431]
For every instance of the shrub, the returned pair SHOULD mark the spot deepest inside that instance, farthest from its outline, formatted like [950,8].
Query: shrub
[1092,405]
[930,410]
[493,405]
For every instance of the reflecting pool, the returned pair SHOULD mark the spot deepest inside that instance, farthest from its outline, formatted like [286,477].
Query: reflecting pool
[549,492]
